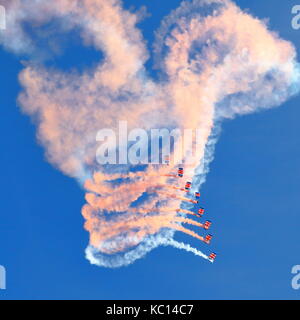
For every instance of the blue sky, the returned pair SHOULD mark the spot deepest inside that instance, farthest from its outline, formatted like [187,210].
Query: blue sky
[251,194]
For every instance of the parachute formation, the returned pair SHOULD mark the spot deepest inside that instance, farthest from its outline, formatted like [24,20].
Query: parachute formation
[143,220]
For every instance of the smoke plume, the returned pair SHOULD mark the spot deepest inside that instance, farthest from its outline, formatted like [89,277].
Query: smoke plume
[214,61]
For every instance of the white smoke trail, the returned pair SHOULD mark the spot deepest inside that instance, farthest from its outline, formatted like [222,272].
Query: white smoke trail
[126,258]
[165,238]
[186,247]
